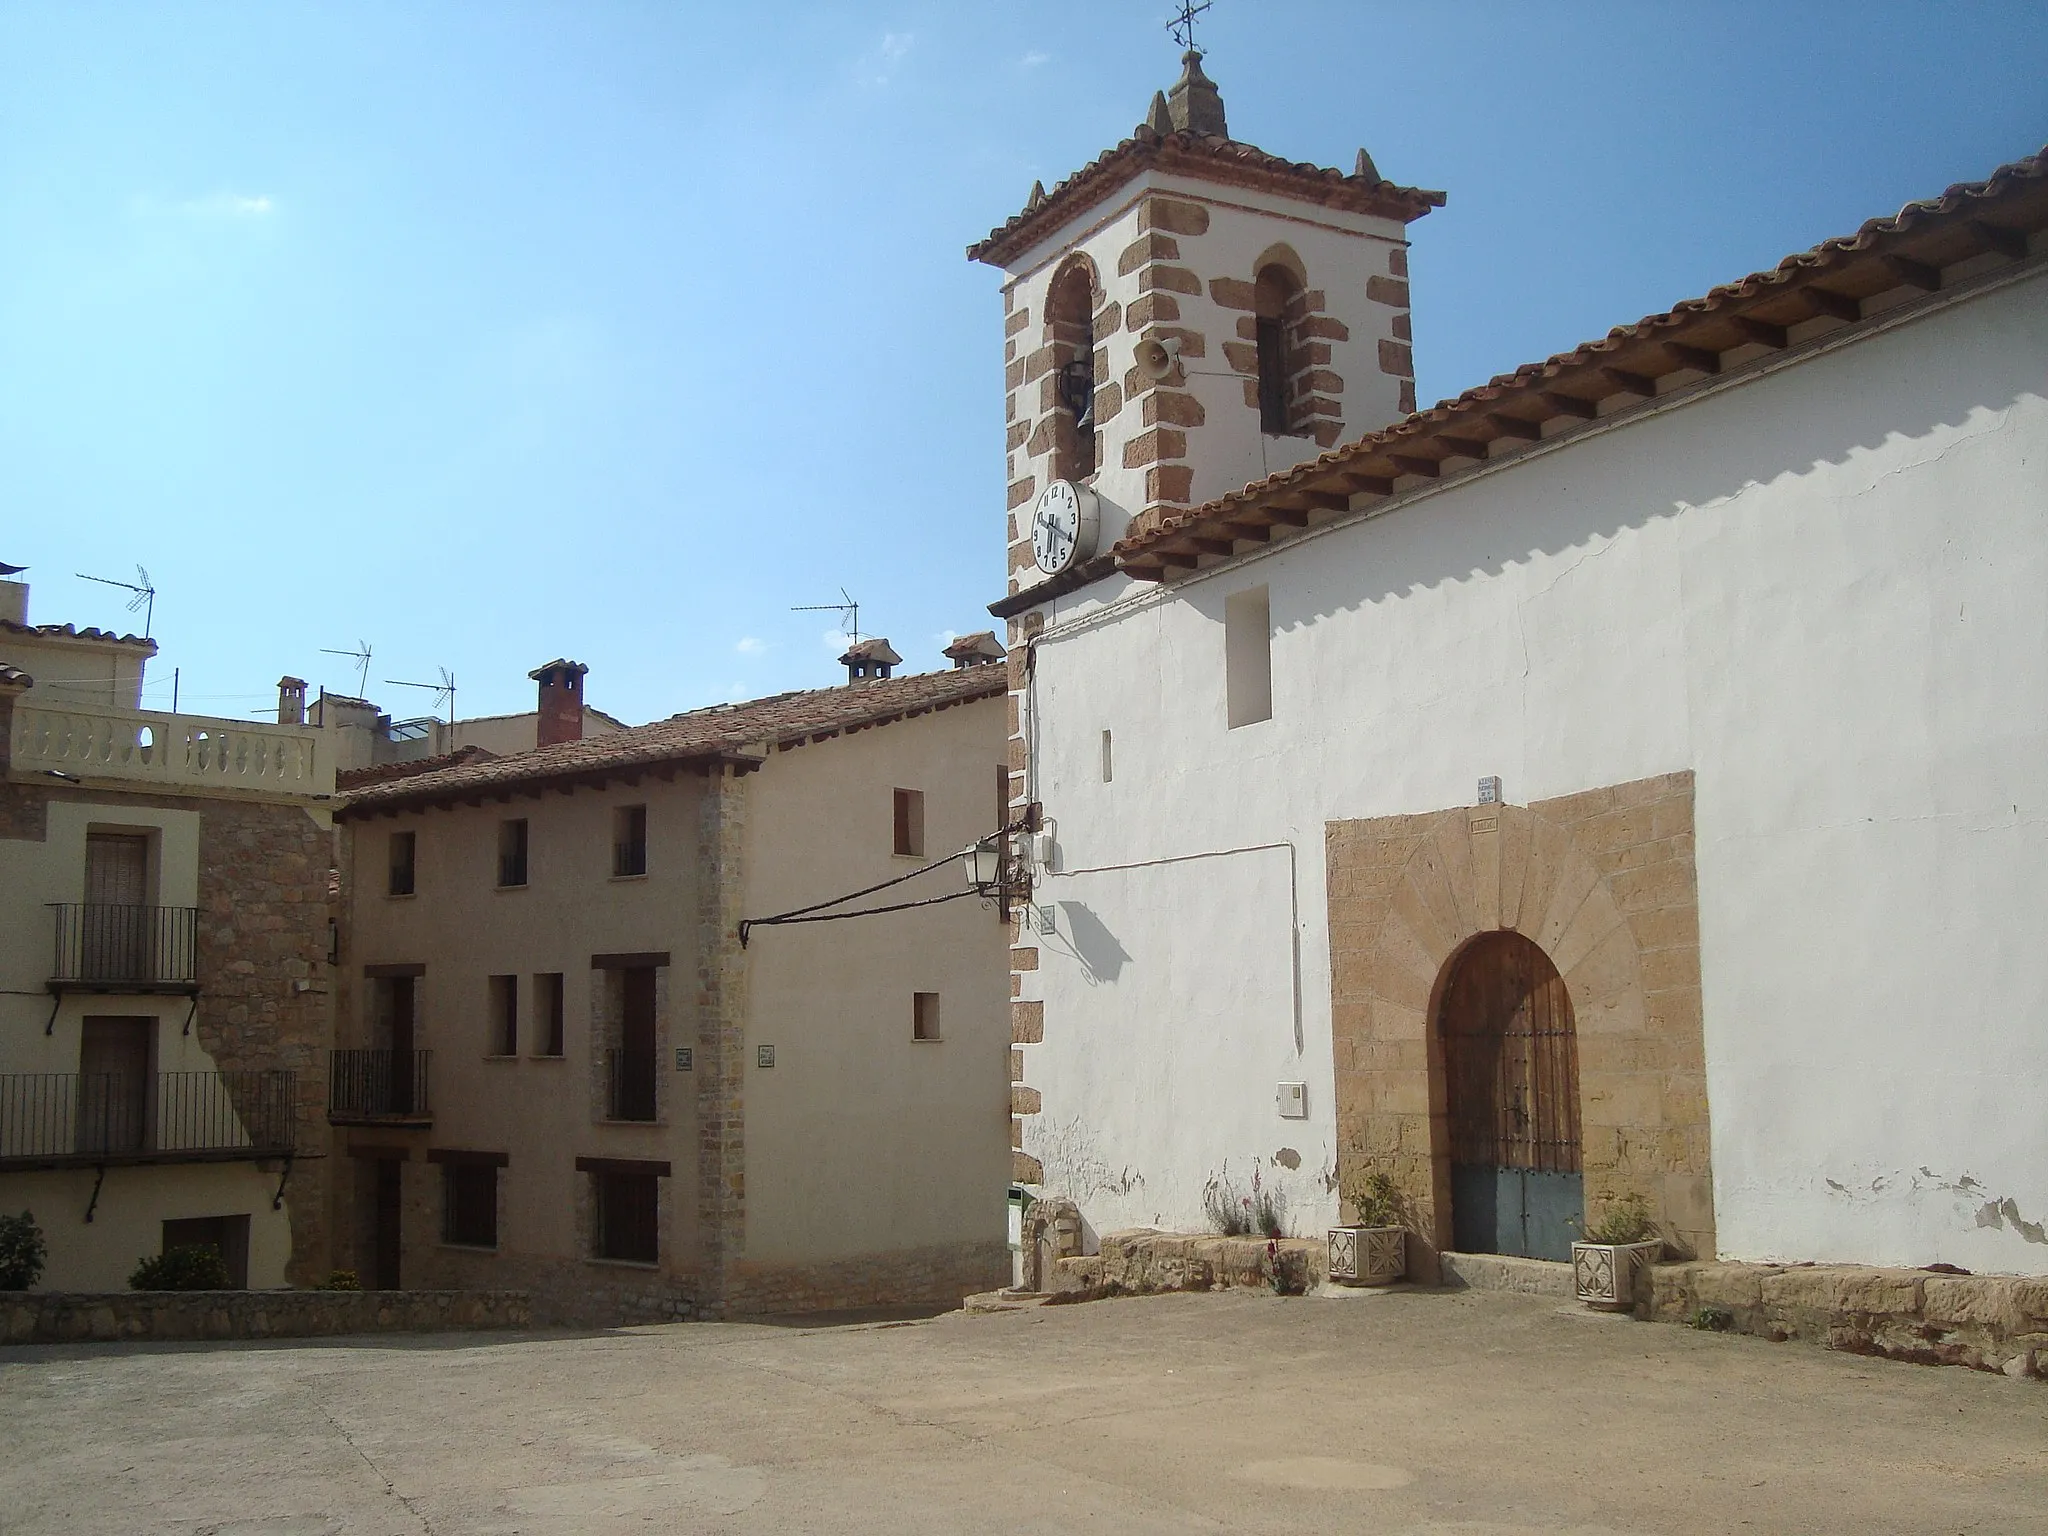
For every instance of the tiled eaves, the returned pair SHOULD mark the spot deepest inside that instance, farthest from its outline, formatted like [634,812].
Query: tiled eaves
[1808,297]
[1205,158]
[736,735]
[67,632]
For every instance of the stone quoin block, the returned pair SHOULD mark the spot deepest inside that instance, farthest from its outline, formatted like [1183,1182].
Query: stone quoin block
[1173,408]
[1146,248]
[1233,293]
[1171,279]
[1168,482]
[1151,447]
[1397,358]
[1387,290]
[1173,216]
[1022,491]
[1027,1023]
[1151,309]
[1018,320]
[1397,261]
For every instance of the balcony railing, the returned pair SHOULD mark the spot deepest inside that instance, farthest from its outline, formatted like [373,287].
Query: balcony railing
[118,945]
[64,1119]
[630,1079]
[101,742]
[364,1087]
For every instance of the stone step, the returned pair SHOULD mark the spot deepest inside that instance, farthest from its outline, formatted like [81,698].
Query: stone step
[1500,1272]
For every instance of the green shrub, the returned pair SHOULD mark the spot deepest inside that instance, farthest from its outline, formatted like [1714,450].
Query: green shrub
[1375,1199]
[1713,1319]
[197,1267]
[340,1280]
[22,1251]
[1626,1220]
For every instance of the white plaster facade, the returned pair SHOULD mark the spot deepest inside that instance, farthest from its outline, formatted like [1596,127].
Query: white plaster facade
[1816,585]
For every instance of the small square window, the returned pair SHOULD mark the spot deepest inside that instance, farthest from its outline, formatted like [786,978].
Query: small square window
[548,1011]
[910,822]
[402,850]
[469,1204]
[504,1016]
[629,840]
[512,852]
[628,1217]
[924,1016]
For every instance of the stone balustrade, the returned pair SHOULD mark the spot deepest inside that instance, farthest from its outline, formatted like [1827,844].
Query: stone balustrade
[171,751]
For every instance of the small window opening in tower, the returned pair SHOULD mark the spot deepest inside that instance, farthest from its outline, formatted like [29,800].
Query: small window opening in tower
[1273,295]
[1070,307]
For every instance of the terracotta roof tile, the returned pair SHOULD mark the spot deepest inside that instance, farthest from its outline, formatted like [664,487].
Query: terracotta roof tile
[349,779]
[1950,227]
[721,732]
[1206,159]
[68,632]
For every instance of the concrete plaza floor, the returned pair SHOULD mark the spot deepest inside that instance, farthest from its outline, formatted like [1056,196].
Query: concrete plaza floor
[1436,1412]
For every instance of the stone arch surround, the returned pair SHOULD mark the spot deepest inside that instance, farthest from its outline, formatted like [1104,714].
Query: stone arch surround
[1603,882]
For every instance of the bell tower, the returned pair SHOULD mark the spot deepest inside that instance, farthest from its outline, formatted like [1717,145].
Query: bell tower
[1188,314]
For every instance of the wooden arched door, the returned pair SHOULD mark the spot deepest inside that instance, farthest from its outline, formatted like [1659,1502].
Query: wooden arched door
[1511,1068]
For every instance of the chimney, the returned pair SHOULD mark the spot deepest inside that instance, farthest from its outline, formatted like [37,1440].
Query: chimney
[977,650]
[868,661]
[291,701]
[561,701]
[13,601]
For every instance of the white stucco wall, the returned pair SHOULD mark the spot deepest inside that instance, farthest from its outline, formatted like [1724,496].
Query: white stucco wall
[1820,589]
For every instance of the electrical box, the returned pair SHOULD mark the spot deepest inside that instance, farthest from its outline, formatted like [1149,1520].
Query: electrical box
[1294,1101]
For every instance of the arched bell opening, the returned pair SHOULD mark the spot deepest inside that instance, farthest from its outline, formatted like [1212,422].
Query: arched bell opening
[1510,1070]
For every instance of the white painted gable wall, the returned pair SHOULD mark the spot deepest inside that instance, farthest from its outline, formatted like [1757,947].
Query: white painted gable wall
[1824,590]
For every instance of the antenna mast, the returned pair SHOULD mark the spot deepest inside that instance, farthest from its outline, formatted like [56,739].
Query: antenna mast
[361,657]
[848,610]
[145,594]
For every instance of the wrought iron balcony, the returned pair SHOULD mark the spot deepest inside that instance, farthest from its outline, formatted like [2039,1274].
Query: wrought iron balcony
[630,1079]
[74,1119]
[125,948]
[378,1088]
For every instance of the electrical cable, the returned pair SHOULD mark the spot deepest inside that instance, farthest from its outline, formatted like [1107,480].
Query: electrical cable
[816,916]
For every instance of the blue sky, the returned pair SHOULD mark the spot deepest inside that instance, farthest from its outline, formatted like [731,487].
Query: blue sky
[495,332]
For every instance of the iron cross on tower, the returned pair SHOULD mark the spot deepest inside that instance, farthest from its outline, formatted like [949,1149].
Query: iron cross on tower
[1183,24]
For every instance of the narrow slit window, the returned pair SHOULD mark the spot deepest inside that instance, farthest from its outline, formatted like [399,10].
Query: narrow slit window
[924,1016]
[910,822]
[504,1016]
[548,1011]
[512,852]
[1248,656]
[629,840]
[404,848]
[1108,758]
[1274,296]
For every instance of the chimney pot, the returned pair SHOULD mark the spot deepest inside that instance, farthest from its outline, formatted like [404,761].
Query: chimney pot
[561,702]
[868,661]
[291,701]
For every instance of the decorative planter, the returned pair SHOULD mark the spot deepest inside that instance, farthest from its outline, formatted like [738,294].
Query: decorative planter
[1368,1255]
[1607,1275]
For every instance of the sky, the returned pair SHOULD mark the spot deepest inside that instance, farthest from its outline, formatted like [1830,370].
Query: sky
[487,333]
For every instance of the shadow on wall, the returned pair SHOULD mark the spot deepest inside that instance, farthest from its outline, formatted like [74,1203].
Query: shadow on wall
[1949,371]
[1102,958]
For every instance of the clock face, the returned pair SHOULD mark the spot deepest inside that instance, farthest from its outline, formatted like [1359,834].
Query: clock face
[1062,526]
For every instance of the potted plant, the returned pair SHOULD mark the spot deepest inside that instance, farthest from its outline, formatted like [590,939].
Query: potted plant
[1613,1254]
[1373,1250]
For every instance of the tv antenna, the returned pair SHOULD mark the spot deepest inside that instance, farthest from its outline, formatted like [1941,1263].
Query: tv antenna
[1183,24]
[444,689]
[848,610]
[144,598]
[361,657]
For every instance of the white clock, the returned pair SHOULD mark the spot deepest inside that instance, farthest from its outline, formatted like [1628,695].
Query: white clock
[1064,522]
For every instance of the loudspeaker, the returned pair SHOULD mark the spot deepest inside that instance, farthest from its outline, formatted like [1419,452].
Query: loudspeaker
[1157,358]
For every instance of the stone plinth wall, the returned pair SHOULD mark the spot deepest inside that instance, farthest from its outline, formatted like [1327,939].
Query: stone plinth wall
[909,1277]
[1987,1322]
[1142,1261]
[33,1317]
